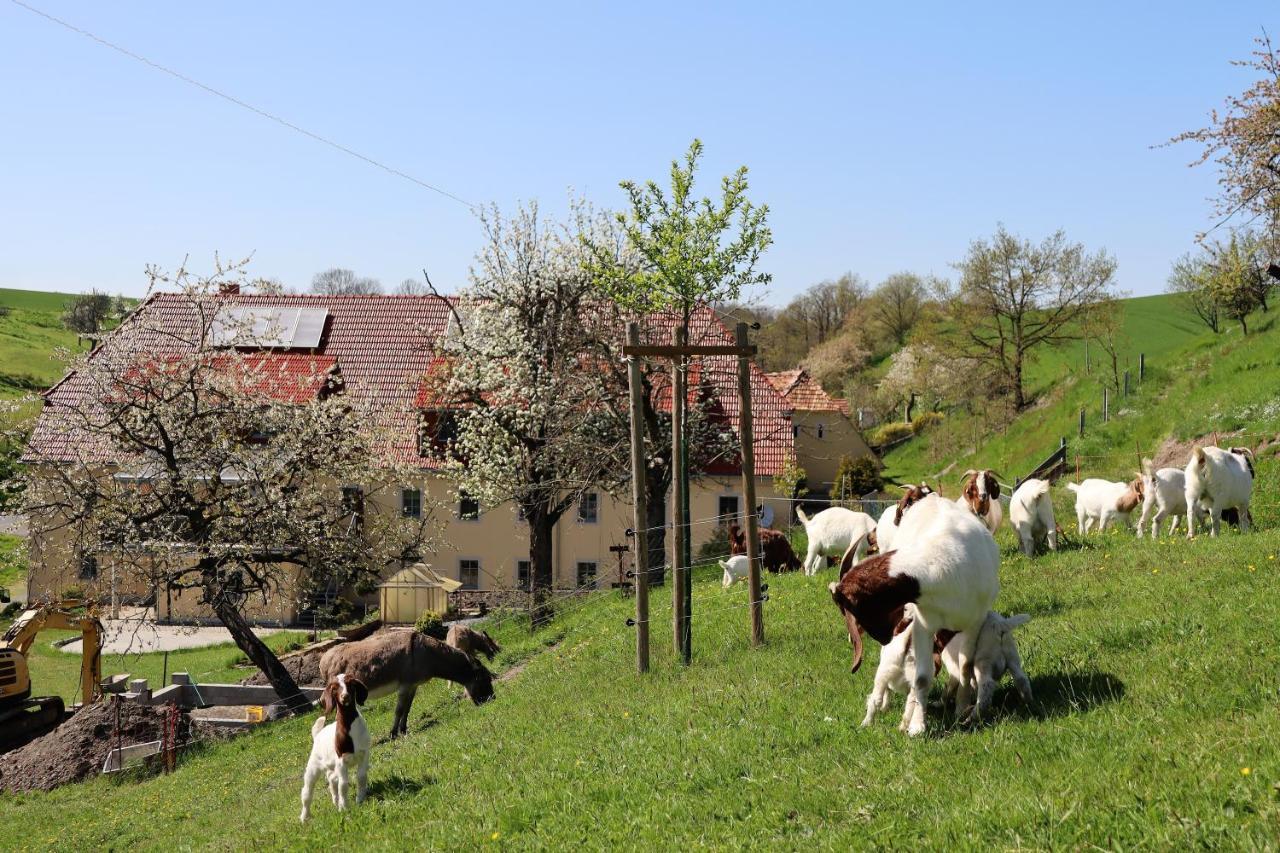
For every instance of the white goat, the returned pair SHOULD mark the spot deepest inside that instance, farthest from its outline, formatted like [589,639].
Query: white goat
[981,496]
[1165,492]
[996,653]
[1102,502]
[948,567]
[834,531]
[887,526]
[1219,479]
[339,746]
[1031,515]
[735,569]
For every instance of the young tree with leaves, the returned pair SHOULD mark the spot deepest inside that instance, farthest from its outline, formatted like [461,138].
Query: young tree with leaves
[1016,297]
[682,251]
[87,313]
[897,304]
[1189,280]
[189,461]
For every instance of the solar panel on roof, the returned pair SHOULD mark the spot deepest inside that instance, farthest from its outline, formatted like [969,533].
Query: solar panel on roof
[268,327]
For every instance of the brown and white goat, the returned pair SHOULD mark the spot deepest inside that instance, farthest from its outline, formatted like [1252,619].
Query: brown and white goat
[887,526]
[776,553]
[947,565]
[981,496]
[1101,502]
[399,661]
[340,745]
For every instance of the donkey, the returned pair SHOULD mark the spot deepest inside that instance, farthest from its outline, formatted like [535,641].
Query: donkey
[398,661]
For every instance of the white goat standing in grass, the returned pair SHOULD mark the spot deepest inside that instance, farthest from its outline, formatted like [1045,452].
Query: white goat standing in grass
[735,569]
[834,531]
[1031,515]
[1219,479]
[339,747]
[1101,502]
[1165,492]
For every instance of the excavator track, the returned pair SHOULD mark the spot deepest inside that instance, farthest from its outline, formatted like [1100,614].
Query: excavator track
[30,720]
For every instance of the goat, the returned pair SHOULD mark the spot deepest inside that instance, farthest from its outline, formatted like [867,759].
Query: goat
[1218,480]
[339,745]
[887,526]
[1103,501]
[776,553]
[1031,515]
[981,496]
[1165,491]
[834,531]
[996,654]
[735,569]
[398,661]
[471,641]
[897,663]
[948,567]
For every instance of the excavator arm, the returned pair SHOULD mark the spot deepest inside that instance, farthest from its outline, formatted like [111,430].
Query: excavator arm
[22,634]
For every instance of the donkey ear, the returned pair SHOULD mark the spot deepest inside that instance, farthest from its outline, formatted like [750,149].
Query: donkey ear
[362,692]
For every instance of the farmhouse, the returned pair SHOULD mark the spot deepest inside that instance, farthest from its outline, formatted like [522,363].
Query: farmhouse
[381,349]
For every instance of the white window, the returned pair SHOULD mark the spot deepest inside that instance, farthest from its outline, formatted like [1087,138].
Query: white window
[469,573]
[468,507]
[589,508]
[411,503]
[586,572]
[524,574]
[727,509]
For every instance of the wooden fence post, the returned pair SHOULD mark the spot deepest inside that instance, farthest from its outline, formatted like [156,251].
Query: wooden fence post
[1142,367]
[746,430]
[1126,383]
[640,565]
[1082,421]
[1106,404]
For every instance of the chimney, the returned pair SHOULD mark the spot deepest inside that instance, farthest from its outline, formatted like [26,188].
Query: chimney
[230,288]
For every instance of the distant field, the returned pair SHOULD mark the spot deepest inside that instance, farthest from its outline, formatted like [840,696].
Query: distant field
[30,338]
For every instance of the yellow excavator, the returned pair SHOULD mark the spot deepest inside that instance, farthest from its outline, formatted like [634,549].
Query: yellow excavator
[22,717]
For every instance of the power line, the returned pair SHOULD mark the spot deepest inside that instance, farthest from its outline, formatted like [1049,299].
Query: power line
[239,103]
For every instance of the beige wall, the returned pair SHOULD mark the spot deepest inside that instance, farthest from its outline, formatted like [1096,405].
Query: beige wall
[820,457]
[498,539]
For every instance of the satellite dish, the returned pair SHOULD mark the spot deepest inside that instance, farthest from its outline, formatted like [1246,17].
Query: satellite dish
[766,515]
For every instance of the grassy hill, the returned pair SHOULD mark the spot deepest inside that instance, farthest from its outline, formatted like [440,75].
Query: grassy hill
[1153,666]
[1196,383]
[31,333]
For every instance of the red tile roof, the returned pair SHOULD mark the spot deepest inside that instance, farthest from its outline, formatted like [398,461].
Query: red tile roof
[384,347]
[804,394]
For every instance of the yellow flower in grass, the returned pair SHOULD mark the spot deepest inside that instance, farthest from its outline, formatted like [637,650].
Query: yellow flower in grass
[1245,771]
[626,714]
[1155,571]
[1252,568]
[493,837]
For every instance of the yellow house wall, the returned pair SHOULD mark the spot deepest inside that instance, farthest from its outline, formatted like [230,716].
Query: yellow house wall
[820,457]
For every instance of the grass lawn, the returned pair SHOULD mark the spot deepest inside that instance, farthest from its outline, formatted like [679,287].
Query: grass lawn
[1154,665]
[31,337]
[12,562]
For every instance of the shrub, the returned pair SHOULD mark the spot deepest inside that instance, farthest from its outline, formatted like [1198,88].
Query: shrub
[889,433]
[926,420]
[430,623]
[856,477]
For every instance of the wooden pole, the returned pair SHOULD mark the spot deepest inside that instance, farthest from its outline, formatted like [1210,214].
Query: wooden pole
[1082,421]
[679,617]
[641,561]
[1106,404]
[1126,383]
[1142,367]
[747,433]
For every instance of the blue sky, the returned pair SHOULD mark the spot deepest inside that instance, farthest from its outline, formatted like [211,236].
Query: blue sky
[882,139]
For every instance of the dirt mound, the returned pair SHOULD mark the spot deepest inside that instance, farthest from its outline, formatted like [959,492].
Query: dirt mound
[1174,454]
[76,750]
[304,666]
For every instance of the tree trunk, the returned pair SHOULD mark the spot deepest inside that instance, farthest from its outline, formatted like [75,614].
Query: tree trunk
[1244,327]
[1019,399]
[655,521]
[286,688]
[541,528]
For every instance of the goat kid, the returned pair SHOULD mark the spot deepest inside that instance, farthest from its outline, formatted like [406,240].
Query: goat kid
[948,567]
[339,746]
[1219,480]
[834,531]
[1164,496]
[981,496]
[1102,502]
[735,569]
[1031,516]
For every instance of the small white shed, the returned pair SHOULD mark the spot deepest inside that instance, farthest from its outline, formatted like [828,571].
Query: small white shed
[411,591]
